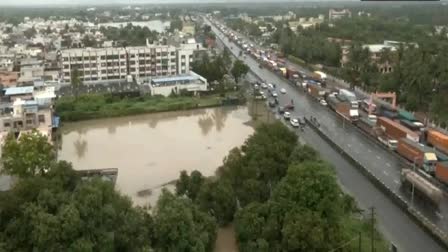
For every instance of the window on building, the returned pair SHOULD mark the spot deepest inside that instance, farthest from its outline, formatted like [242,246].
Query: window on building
[6,125]
[173,53]
[28,122]
[164,54]
[158,54]
[103,57]
[92,58]
[173,60]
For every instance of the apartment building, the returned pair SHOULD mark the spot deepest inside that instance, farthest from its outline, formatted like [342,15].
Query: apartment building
[334,15]
[116,63]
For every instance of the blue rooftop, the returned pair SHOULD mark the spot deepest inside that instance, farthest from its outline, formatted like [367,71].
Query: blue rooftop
[175,79]
[19,90]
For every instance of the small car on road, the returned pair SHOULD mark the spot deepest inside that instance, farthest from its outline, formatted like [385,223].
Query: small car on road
[287,115]
[289,107]
[272,103]
[323,102]
[295,122]
[281,110]
[274,94]
[283,91]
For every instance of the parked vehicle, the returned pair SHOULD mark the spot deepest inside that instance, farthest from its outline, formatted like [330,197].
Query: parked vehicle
[274,94]
[323,102]
[283,91]
[438,140]
[295,122]
[410,178]
[287,115]
[289,107]
[264,86]
[394,130]
[281,110]
[442,171]
[271,103]
[418,154]
[343,108]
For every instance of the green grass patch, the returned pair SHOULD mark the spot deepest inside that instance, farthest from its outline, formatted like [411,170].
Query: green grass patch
[93,106]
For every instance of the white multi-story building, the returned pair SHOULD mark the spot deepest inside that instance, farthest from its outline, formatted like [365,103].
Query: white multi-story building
[338,14]
[117,63]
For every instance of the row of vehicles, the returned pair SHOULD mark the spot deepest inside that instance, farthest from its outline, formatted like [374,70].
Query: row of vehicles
[425,149]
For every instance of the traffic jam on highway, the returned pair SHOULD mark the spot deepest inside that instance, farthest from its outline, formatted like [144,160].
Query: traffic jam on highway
[423,149]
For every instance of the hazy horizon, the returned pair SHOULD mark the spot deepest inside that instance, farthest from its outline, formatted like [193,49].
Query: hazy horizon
[136,2]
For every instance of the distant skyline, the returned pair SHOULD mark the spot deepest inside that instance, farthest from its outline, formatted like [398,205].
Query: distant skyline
[135,2]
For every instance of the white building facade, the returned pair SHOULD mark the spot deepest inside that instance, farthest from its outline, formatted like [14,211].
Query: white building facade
[117,63]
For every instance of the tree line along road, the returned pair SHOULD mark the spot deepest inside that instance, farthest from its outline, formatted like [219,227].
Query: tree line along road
[397,226]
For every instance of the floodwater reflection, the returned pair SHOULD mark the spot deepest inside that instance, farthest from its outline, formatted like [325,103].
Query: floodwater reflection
[151,150]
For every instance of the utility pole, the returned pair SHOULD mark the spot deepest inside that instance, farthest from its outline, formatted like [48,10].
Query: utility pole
[372,211]
[360,242]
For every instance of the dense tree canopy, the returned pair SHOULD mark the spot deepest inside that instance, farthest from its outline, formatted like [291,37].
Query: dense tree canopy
[27,156]
[59,212]
[129,35]
[179,225]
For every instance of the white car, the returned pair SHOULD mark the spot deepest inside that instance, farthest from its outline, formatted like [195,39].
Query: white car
[264,86]
[287,115]
[295,122]
[323,102]
[283,91]
[274,94]
[270,86]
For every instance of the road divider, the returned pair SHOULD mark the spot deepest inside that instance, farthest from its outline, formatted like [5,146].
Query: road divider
[415,215]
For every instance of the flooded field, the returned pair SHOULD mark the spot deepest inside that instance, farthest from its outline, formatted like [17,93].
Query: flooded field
[151,150]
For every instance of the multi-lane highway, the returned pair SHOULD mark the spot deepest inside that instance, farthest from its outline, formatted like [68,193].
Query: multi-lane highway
[397,226]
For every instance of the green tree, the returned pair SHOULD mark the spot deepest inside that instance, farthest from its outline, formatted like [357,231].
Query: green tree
[60,211]
[179,225]
[239,69]
[189,185]
[218,198]
[27,156]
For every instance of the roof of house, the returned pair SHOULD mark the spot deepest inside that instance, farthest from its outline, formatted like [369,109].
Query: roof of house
[19,90]
[375,48]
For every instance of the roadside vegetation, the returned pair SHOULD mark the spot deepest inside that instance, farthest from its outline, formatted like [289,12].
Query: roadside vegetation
[91,106]
[281,197]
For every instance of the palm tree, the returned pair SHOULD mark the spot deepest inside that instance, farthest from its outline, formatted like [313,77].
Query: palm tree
[76,81]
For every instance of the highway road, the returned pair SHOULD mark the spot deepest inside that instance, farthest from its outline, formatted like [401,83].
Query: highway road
[394,223]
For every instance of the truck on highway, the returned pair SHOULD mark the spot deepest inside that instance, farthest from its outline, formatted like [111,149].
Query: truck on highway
[316,91]
[411,179]
[319,77]
[369,126]
[418,154]
[438,140]
[343,107]
[442,171]
[394,130]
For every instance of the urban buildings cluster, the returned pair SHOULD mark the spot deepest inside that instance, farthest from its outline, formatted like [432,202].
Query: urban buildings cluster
[39,56]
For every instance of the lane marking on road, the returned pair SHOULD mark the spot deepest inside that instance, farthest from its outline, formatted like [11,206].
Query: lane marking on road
[439,215]
[388,165]
[386,173]
[369,150]
[349,145]
[378,157]
[396,181]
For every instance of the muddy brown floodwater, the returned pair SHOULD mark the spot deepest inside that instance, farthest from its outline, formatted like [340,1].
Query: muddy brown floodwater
[151,150]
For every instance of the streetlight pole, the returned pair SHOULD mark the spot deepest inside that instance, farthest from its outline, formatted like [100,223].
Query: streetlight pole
[372,209]
[413,185]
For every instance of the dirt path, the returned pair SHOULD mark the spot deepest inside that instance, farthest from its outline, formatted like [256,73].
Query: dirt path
[225,242]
